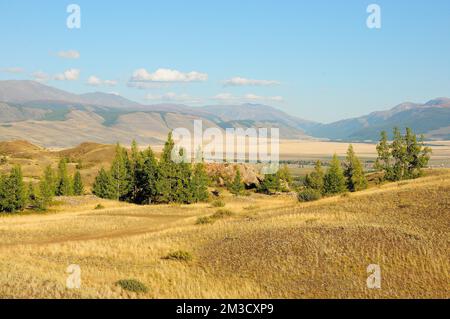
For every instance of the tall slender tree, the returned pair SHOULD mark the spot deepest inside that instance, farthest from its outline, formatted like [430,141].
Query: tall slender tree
[354,172]
[334,180]
[78,186]
[13,193]
[104,185]
[64,184]
[120,173]
[314,180]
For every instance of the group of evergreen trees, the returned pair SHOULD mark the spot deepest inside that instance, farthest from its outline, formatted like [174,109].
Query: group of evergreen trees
[16,196]
[277,182]
[140,178]
[337,179]
[403,158]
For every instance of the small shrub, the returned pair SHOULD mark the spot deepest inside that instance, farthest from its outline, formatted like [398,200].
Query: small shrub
[204,220]
[99,206]
[309,195]
[218,203]
[132,285]
[222,213]
[179,255]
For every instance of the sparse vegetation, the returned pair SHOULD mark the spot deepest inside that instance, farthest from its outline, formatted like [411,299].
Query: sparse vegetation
[132,285]
[99,206]
[309,195]
[179,255]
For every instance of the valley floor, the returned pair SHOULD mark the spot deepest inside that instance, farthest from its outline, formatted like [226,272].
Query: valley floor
[272,247]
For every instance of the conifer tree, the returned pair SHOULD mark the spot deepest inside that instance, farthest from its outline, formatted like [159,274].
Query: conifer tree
[46,191]
[120,174]
[146,178]
[270,184]
[334,180]
[399,154]
[384,160]
[285,179]
[199,183]
[103,185]
[314,180]
[236,187]
[64,184]
[50,180]
[167,184]
[417,156]
[13,193]
[354,172]
[78,186]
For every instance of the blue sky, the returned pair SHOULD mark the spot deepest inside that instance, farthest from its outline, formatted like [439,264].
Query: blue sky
[314,59]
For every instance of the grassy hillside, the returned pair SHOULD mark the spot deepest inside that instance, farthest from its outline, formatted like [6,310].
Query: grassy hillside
[270,247]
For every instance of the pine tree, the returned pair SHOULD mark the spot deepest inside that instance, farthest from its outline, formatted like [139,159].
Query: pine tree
[285,178]
[314,180]
[146,178]
[384,160]
[354,172]
[46,191]
[13,193]
[270,184]
[199,183]
[64,184]
[78,186]
[236,187]
[334,180]
[50,180]
[168,183]
[120,174]
[103,185]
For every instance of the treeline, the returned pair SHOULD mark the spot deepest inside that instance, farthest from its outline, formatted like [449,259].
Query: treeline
[403,158]
[15,195]
[336,179]
[142,179]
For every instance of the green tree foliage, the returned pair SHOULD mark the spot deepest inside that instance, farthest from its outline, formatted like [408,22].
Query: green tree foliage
[13,193]
[64,184]
[404,158]
[46,191]
[334,180]
[78,186]
[103,185]
[50,180]
[120,174]
[354,172]
[270,184]
[236,187]
[285,178]
[146,176]
[199,183]
[314,180]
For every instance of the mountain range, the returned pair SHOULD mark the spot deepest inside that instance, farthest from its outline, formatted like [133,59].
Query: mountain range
[51,117]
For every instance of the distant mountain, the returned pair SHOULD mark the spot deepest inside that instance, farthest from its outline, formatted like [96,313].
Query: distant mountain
[54,118]
[51,117]
[431,119]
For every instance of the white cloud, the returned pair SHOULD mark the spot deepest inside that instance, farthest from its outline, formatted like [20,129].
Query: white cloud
[167,76]
[13,70]
[95,81]
[71,54]
[40,76]
[68,75]
[230,98]
[173,97]
[238,81]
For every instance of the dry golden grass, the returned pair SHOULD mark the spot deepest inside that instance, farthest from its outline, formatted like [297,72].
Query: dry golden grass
[271,247]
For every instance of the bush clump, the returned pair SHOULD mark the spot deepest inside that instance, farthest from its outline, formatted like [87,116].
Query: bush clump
[179,255]
[204,220]
[132,285]
[222,213]
[99,206]
[309,195]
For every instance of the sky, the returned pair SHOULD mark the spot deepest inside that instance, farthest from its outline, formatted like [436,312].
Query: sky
[318,60]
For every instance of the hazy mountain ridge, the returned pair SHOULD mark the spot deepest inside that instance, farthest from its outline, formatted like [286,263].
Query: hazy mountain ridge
[51,117]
